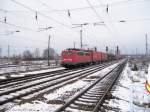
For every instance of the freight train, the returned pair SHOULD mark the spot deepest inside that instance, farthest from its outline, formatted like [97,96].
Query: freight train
[77,57]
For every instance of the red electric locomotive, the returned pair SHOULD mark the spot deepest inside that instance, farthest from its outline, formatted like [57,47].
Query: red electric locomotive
[75,57]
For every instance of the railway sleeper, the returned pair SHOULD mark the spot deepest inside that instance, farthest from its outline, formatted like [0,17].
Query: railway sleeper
[97,87]
[107,83]
[90,97]
[93,94]
[101,88]
[87,97]
[82,103]
[76,108]
[88,100]
[111,108]
[97,91]
[81,106]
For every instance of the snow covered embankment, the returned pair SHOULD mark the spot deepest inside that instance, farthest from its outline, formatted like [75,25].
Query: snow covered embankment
[130,94]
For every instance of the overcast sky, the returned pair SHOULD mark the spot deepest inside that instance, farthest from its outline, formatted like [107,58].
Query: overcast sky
[20,15]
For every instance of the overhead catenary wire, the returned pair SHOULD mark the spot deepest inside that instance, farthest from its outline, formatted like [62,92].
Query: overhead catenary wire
[125,21]
[101,22]
[47,6]
[48,17]
[99,17]
[10,24]
[44,15]
[35,12]
[44,4]
[24,28]
[127,1]
[83,8]
[17,26]
[119,21]
[107,10]
[14,25]
[137,20]
[67,11]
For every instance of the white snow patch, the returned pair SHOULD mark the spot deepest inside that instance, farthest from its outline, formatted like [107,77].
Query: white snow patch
[43,71]
[131,92]
[103,71]
[68,88]
[16,75]
[122,92]
[2,77]
[36,106]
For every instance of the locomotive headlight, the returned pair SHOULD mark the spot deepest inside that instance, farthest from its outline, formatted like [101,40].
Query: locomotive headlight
[67,60]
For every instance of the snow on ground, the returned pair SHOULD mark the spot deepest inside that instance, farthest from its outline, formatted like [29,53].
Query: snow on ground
[130,94]
[25,66]
[2,77]
[32,72]
[67,91]
[52,100]
[43,71]
[122,93]
[16,75]
[36,106]
[101,72]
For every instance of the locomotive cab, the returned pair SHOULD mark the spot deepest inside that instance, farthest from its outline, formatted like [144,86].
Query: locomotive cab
[67,58]
[75,57]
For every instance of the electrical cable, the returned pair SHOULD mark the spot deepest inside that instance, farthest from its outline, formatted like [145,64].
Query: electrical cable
[82,8]
[52,19]
[99,17]
[10,24]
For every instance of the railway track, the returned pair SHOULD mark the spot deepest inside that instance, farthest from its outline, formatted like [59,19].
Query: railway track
[22,68]
[92,97]
[21,80]
[33,86]
[32,77]
[15,79]
[8,65]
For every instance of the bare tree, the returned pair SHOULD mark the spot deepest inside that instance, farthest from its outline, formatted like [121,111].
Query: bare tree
[37,53]
[27,55]
[16,59]
[52,53]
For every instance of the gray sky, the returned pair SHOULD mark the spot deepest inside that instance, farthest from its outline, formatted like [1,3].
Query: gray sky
[128,35]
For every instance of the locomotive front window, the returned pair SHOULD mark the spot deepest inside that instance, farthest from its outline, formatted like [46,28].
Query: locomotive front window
[87,54]
[80,53]
[68,53]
